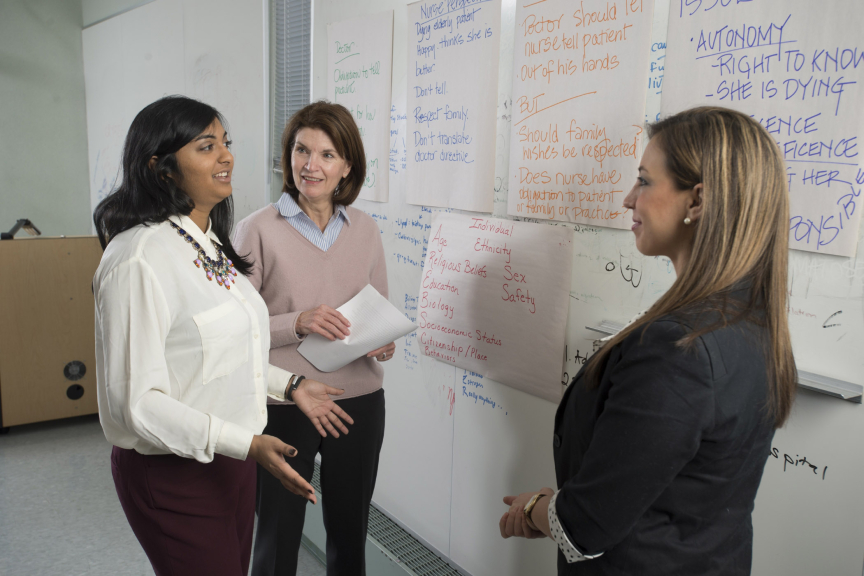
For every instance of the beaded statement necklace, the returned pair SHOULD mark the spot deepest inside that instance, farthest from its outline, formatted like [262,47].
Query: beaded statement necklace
[222,269]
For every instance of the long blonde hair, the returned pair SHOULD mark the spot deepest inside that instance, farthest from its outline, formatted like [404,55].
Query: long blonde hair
[741,238]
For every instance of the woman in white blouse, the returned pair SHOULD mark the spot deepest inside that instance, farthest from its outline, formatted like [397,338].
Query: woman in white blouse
[182,343]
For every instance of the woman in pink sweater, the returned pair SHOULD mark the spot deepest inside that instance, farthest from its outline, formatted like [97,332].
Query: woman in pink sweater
[312,252]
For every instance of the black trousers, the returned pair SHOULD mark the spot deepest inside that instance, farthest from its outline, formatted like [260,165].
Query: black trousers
[349,465]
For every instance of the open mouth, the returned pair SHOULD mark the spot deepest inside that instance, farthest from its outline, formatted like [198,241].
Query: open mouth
[223,176]
[311,180]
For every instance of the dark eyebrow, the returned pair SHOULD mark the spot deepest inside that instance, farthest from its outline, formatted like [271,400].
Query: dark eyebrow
[298,143]
[642,169]
[205,136]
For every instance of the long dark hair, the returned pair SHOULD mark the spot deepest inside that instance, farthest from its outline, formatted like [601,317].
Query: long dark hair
[149,195]
[741,238]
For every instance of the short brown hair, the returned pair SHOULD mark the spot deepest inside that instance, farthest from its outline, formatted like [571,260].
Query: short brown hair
[338,123]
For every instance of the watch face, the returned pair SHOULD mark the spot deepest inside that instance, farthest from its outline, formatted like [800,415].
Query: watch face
[529,507]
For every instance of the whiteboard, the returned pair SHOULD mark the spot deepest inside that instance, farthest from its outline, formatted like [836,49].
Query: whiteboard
[447,460]
[213,51]
[767,60]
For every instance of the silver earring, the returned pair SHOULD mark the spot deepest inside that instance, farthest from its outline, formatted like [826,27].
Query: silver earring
[687,221]
[336,191]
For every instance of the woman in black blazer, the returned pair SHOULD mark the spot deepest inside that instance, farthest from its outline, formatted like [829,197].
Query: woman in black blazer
[661,439]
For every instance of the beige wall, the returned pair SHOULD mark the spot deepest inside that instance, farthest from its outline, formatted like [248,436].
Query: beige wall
[43,131]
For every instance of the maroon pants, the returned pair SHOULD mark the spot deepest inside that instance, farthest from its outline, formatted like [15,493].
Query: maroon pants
[190,518]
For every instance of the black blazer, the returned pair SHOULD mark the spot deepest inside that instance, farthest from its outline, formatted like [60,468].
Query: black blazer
[658,467]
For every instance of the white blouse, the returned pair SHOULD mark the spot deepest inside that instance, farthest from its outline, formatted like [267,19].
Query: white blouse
[181,362]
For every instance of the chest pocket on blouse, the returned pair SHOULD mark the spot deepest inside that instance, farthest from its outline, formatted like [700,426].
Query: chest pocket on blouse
[224,334]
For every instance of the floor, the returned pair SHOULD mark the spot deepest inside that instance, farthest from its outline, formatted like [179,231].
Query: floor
[59,513]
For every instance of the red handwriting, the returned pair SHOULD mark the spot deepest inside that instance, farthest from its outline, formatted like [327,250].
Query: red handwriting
[519,297]
[488,226]
[437,239]
[436,260]
[475,270]
[455,336]
[433,353]
[474,353]
[426,302]
[483,245]
[433,284]
[451,396]
[425,323]
[799,312]
[509,274]
[488,339]
[431,343]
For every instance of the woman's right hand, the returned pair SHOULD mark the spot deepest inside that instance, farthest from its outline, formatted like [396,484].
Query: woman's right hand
[323,320]
[270,453]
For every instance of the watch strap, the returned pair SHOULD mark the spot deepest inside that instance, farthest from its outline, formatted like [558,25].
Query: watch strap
[529,508]
[293,386]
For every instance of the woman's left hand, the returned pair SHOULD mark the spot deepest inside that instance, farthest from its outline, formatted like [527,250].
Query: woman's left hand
[513,522]
[313,399]
[384,353]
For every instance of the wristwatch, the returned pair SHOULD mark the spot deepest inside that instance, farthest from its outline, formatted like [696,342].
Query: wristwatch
[529,508]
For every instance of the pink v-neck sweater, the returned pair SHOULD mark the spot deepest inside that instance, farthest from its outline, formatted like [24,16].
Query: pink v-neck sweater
[293,275]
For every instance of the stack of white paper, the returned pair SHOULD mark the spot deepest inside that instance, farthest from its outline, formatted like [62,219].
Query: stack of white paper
[374,323]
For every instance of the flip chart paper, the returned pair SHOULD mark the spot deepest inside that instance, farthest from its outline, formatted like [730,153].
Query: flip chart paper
[802,81]
[580,72]
[494,297]
[374,323]
[359,61]
[452,98]
[657,62]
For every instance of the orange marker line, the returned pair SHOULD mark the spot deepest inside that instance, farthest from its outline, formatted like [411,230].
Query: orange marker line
[553,105]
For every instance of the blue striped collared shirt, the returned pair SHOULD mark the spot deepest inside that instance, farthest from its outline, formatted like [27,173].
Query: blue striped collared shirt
[301,222]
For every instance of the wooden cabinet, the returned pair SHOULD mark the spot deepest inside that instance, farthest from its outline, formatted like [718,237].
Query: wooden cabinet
[47,350]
